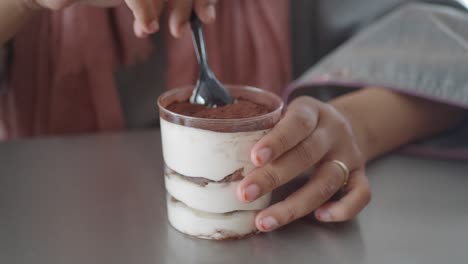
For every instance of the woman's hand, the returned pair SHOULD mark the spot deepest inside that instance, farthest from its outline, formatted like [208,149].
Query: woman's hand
[147,12]
[311,133]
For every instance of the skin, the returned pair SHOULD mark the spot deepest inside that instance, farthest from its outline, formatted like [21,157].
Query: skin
[147,13]
[13,15]
[353,129]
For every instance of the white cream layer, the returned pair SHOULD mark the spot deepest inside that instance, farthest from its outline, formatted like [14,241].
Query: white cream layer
[210,226]
[213,197]
[195,152]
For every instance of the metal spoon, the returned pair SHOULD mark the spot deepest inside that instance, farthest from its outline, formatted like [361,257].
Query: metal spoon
[208,91]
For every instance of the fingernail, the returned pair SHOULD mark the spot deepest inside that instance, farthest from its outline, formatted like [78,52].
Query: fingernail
[263,156]
[324,215]
[211,12]
[268,223]
[153,27]
[251,193]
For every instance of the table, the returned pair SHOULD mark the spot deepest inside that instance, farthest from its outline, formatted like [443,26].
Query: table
[100,199]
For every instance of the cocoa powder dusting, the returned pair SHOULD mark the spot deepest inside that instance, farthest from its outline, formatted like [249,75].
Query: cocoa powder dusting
[242,108]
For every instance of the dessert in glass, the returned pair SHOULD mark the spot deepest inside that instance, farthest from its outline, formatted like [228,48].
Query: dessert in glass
[206,153]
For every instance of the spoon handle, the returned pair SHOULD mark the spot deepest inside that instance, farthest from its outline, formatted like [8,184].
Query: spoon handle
[199,41]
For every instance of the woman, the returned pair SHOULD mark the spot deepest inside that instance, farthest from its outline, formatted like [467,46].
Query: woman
[410,50]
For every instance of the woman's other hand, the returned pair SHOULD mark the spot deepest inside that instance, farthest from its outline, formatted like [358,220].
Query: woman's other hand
[148,12]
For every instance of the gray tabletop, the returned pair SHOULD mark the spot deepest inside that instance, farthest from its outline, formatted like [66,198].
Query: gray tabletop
[100,199]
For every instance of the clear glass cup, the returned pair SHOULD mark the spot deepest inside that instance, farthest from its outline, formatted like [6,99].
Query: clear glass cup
[205,160]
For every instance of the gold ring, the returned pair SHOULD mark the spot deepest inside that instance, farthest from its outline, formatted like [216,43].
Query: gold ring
[344,169]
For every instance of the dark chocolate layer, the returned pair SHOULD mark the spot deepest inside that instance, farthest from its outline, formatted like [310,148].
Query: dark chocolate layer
[174,200]
[233,177]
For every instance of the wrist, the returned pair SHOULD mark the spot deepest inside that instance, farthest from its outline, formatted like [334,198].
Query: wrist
[383,120]
[347,109]
[13,14]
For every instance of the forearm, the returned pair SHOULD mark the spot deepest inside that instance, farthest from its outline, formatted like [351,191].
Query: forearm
[13,13]
[384,120]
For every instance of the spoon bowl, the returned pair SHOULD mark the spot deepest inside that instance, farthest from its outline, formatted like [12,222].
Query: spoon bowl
[208,91]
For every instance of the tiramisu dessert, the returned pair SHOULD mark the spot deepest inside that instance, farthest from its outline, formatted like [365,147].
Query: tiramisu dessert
[207,152]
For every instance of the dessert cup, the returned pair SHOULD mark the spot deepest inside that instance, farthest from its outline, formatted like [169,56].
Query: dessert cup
[205,159]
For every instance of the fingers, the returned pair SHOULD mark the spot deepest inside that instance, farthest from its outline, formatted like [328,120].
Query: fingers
[146,13]
[357,197]
[267,178]
[206,10]
[299,121]
[180,13]
[319,189]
